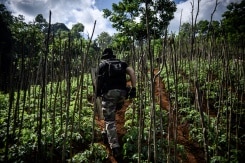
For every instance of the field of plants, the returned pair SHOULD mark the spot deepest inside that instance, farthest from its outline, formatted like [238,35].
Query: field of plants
[190,104]
[206,96]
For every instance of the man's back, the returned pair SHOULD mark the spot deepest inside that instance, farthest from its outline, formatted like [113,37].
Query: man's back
[112,74]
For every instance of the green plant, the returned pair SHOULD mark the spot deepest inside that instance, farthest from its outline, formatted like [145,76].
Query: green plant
[95,153]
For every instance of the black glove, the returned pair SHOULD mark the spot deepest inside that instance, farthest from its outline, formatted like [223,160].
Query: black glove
[98,93]
[132,93]
[128,88]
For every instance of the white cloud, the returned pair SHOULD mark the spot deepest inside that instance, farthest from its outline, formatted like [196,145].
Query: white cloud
[68,12]
[86,12]
[205,10]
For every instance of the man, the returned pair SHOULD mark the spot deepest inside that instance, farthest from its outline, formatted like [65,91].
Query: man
[111,86]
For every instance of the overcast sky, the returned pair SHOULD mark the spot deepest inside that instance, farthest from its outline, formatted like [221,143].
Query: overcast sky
[86,12]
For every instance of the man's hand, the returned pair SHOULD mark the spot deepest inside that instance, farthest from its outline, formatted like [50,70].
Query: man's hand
[131,92]
[98,94]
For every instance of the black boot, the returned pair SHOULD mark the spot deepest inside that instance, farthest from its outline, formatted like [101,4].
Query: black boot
[117,154]
[119,105]
[104,137]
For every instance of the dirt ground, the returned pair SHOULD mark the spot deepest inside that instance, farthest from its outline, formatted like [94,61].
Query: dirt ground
[194,153]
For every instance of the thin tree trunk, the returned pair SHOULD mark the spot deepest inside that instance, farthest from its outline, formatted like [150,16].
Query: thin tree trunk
[204,130]
[11,101]
[67,95]
[42,102]
[142,97]
[152,90]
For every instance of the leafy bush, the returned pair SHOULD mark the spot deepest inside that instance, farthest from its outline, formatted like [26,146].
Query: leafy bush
[95,153]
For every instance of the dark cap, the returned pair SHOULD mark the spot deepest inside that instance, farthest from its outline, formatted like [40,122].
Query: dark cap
[108,53]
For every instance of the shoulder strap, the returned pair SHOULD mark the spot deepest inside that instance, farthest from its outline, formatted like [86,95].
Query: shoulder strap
[110,62]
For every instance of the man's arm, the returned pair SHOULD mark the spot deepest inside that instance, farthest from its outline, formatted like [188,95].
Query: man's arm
[131,73]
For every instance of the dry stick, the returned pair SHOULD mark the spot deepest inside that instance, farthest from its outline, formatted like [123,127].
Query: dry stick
[241,76]
[73,115]
[24,102]
[175,69]
[153,121]
[67,95]
[142,86]
[159,79]
[60,77]
[48,103]
[192,29]
[133,65]
[200,107]
[94,77]
[170,112]
[28,79]
[133,51]
[180,24]
[36,92]
[80,87]
[212,14]
[209,74]
[231,96]
[226,71]
[162,54]
[19,85]
[173,126]
[148,39]
[197,89]
[230,124]
[11,101]
[176,108]
[42,102]
[93,128]
[53,108]
[61,105]
[54,120]
[237,123]
[182,63]
[220,104]
[226,104]
[240,118]
[195,24]
[140,115]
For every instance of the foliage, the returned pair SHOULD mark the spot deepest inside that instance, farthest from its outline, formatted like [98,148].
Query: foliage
[77,29]
[129,17]
[96,153]
[233,22]
[103,40]
[211,78]
[80,129]
[131,138]
[6,45]
[41,22]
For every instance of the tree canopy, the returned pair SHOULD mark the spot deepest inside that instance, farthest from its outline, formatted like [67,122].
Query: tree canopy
[129,17]
[233,21]
[103,40]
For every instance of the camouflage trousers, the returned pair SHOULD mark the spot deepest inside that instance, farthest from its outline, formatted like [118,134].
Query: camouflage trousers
[110,101]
